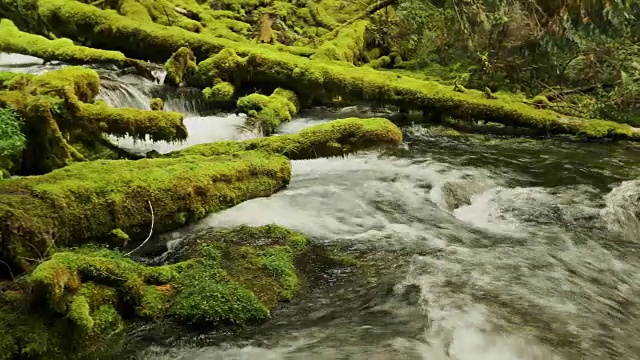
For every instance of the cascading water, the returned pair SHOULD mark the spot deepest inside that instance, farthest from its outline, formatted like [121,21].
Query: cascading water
[484,249]
[503,256]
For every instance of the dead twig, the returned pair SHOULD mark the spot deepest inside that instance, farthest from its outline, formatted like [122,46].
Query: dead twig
[150,231]
[10,272]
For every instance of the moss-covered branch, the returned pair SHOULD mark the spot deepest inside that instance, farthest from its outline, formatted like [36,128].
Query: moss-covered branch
[348,44]
[318,82]
[86,201]
[15,41]
[335,138]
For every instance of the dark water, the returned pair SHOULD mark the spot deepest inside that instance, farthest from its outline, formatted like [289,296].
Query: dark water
[486,249]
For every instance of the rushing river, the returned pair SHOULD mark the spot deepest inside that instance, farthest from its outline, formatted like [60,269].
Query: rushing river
[487,249]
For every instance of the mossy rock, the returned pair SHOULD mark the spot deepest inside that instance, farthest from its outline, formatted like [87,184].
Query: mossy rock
[267,112]
[156,104]
[334,138]
[180,66]
[83,298]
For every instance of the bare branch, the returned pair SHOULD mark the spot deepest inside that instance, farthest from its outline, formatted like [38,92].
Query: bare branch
[150,231]
[10,272]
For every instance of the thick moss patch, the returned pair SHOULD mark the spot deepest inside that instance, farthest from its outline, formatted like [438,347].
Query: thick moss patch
[84,202]
[180,66]
[267,112]
[335,138]
[83,298]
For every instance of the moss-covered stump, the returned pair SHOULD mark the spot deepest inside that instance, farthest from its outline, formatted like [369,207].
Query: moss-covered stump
[82,299]
[267,112]
[180,66]
[60,105]
[85,202]
[335,138]
[319,82]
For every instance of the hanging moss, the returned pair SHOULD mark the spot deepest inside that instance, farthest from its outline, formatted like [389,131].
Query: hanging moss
[267,112]
[84,202]
[180,66]
[335,138]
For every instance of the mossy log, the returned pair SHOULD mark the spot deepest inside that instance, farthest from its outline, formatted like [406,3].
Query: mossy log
[348,44]
[15,41]
[335,138]
[84,202]
[267,112]
[318,82]
[106,29]
[83,298]
[57,105]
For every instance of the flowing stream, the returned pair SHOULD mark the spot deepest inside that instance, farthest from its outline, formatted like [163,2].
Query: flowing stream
[486,249]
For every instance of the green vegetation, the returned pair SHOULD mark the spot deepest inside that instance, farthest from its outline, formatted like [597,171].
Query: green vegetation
[83,298]
[267,112]
[58,107]
[84,202]
[335,138]
[12,141]
[180,66]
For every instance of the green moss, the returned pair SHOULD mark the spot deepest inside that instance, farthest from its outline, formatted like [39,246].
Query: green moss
[335,138]
[15,41]
[267,112]
[220,92]
[541,100]
[135,10]
[157,104]
[136,39]
[57,108]
[319,82]
[180,66]
[348,45]
[86,201]
[79,313]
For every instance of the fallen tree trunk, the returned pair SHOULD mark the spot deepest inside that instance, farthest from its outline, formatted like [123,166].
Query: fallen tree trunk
[317,82]
[15,41]
[335,138]
[370,10]
[85,202]
[106,29]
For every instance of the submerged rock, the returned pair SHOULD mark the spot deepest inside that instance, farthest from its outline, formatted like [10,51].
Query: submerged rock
[83,298]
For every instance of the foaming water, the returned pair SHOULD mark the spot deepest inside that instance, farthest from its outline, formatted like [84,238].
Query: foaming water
[26,64]
[201,129]
[484,254]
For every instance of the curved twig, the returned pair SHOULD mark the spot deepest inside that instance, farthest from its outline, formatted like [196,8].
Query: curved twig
[150,231]
[10,272]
